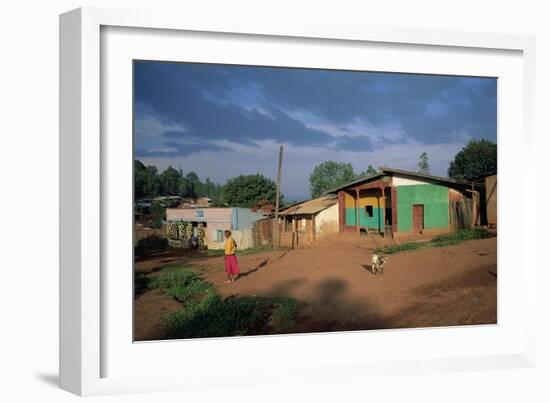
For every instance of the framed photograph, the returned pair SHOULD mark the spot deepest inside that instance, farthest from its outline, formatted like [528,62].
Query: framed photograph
[280,200]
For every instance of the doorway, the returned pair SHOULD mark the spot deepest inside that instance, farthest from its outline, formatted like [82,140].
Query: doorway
[418,218]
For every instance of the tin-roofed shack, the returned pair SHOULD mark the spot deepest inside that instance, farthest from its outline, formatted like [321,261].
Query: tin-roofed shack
[304,223]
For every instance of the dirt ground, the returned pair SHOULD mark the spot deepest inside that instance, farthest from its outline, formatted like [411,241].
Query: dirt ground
[438,286]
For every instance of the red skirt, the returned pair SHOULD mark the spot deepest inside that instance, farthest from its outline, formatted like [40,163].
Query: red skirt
[231,264]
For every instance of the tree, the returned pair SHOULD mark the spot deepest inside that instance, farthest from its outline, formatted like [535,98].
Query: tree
[248,190]
[211,189]
[158,211]
[476,158]
[146,181]
[328,175]
[170,181]
[369,172]
[423,166]
[194,185]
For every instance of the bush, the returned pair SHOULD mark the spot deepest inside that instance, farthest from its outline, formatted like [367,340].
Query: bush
[453,238]
[388,250]
[197,290]
[174,279]
[151,243]
[141,282]
[158,211]
[218,318]
[283,315]
[460,236]
[206,314]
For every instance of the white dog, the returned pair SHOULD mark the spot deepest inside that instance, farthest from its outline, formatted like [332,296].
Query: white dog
[378,264]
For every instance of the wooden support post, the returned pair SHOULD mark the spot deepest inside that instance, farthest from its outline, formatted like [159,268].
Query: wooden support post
[472,220]
[276,234]
[357,227]
[383,212]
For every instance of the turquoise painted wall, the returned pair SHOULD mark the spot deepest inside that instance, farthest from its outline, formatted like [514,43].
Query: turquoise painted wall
[244,218]
[371,222]
[435,199]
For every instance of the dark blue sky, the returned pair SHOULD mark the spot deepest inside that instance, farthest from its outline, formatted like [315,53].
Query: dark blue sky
[221,121]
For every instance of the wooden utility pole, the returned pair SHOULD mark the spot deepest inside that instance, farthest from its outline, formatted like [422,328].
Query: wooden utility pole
[276,223]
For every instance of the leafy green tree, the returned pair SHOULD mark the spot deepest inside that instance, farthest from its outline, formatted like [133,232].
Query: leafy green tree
[211,189]
[146,180]
[423,165]
[328,175]
[370,171]
[248,190]
[170,181]
[476,158]
[158,211]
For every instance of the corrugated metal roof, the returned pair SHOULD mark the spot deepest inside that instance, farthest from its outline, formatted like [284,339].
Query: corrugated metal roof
[392,171]
[425,176]
[310,206]
[365,179]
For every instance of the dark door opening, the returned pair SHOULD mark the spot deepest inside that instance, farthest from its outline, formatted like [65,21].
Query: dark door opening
[418,218]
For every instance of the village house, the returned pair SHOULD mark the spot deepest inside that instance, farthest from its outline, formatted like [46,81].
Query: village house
[214,221]
[397,202]
[306,222]
[300,224]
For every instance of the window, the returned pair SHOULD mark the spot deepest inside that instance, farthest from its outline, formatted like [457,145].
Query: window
[219,235]
[369,211]
[199,213]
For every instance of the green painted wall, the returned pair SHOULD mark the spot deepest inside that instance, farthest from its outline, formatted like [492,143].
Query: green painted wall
[371,222]
[435,199]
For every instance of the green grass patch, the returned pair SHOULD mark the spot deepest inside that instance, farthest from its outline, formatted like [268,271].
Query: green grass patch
[151,243]
[237,316]
[388,250]
[459,236]
[284,314]
[141,282]
[173,279]
[453,238]
[206,314]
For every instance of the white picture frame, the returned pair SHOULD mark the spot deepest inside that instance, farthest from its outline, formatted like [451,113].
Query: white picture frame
[85,191]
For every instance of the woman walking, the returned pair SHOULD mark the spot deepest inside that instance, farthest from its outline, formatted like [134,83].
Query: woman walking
[231,264]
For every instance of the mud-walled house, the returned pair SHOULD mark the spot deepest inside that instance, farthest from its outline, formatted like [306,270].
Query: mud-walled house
[304,223]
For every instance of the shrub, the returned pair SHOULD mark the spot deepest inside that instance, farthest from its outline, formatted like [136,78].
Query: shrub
[151,243]
[196,289]
[388,250]
[206,314]
[459,236]
[283,315]
[218,318]
[158,211]
[140,282]
[453,238]
[174,279]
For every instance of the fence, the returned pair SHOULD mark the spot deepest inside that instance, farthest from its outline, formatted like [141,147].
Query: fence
[460,214]
[262,233]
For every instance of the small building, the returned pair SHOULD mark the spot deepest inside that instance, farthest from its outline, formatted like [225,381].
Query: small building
[304,223]
[397,202]
[214,221]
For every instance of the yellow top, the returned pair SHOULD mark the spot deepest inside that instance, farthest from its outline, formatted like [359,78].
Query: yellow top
[229,246]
